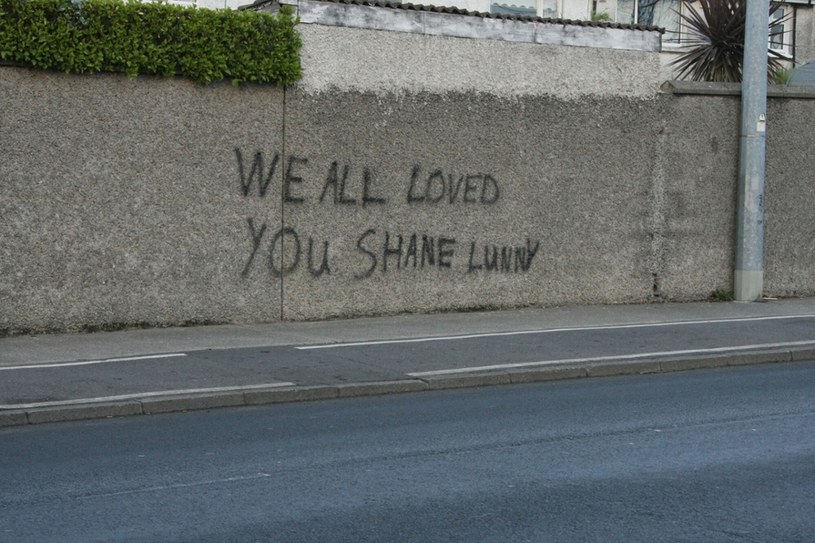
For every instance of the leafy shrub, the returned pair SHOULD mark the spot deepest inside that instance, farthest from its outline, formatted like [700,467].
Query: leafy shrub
[151,38]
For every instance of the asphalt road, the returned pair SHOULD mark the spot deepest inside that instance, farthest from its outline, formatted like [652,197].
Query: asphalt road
[715,455]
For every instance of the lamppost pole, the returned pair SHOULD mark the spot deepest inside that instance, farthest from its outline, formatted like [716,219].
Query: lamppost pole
[749,271]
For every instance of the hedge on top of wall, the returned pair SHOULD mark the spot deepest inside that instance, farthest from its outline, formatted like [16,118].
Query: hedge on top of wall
[151,38]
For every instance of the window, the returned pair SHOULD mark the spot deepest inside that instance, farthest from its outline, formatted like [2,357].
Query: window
[780,39]
[662,13]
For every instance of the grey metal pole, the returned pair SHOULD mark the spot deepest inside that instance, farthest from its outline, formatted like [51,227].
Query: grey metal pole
[749,273]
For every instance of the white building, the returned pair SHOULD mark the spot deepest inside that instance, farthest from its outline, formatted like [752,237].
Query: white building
[212,4]
[794,39]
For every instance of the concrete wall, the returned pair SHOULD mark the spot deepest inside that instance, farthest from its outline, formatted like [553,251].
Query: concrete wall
[393,178]
[115,200]
[431,22]
[790,198]
[385,63]
[491,183]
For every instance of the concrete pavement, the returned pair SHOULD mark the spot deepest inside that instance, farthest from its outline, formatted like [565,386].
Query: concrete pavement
[78,376]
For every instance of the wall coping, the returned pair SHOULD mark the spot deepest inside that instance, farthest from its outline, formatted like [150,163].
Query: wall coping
[454,22]
[705,88]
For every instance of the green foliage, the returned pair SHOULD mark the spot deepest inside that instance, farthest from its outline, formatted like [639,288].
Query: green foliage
[601,17]
[781,77]
[151,38]
[721,295]
[717,41]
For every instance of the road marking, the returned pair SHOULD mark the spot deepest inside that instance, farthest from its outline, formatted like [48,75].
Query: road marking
[636,356]
[91,362]
[140,395]
[178,486]
[547,331]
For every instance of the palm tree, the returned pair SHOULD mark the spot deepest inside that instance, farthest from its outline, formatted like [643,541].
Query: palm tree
[717,41]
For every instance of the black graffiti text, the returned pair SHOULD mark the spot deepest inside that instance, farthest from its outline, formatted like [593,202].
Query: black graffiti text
[504,259]
[336,183]
[279,265]
[438,187]
[257,173]
[395,251]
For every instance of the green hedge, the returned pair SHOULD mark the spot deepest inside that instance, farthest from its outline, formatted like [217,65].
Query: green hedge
[151,38]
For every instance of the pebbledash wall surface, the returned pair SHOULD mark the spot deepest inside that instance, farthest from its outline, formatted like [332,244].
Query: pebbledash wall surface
[407,172]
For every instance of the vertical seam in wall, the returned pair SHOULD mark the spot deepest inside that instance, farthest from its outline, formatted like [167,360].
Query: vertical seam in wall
[282,199]
[658,221]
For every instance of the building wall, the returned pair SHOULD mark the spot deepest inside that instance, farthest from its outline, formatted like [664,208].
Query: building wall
[406,172]
[805,34]
[575,9]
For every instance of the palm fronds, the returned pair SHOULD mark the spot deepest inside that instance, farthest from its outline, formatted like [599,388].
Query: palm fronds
[717,41]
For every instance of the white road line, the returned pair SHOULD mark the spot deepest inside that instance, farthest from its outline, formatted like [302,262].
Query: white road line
[91,362]
[140,395]
[636,356]
[179,486]
[548,331]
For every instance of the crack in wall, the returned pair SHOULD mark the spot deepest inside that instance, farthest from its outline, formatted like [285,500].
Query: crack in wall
[283,207]
[657,222]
